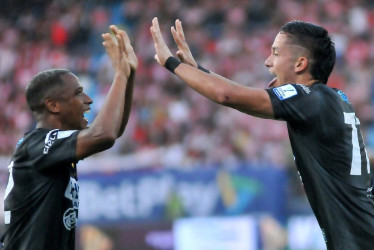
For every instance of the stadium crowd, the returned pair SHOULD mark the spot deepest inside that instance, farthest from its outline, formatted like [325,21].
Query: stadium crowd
[232,38]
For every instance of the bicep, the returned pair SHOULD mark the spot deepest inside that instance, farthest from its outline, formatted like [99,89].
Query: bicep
[89,143]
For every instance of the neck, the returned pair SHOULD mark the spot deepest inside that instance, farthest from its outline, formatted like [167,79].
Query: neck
[48,122]
[306,80]
[310,83]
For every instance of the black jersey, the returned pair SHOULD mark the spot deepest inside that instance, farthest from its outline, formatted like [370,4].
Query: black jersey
[41,199]
[331,158]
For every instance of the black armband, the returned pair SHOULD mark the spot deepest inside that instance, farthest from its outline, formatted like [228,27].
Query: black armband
[172,63]
[202,68]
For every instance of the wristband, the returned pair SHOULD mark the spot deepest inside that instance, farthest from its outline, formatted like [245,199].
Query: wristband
[172,63]
[202,68]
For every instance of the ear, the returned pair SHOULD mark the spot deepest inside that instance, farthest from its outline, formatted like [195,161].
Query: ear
[301,64]
[52,105]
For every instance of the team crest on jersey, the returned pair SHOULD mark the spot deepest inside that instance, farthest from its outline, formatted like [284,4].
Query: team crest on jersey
[285,91]
[72,193]
[70,218]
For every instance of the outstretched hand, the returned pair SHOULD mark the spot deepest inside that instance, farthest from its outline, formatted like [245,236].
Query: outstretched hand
[116,50]
[128,49]
[184,52]
[162,50]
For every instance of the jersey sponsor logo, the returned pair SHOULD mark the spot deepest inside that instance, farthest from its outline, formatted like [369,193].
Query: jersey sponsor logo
[70,218]
[285,91]
[53,135]
[49,140]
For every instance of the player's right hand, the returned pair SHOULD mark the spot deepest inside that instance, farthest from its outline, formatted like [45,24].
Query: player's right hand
[115,48]
[162,50]
[184,52]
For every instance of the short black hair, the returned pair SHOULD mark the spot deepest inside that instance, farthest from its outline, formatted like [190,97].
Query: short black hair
[317,41]
[41,85]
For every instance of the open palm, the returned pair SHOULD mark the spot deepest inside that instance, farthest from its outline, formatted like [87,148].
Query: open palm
[128,49]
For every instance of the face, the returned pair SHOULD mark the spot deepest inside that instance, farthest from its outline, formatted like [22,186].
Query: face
[281,62]
[73,103]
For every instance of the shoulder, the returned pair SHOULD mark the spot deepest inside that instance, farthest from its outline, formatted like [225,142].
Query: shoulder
[295,91]
[45,138]
[296,102]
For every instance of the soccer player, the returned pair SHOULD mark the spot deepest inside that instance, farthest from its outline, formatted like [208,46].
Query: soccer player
[324,131]
[42,195]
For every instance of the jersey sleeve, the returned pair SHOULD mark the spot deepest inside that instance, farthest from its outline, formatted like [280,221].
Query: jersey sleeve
[53,149]
[295,103]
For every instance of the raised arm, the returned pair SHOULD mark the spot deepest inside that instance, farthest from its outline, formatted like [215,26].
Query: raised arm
[252,101]
[106,127]
[133,61]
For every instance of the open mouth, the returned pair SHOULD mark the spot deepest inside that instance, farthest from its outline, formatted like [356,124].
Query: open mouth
[85,113]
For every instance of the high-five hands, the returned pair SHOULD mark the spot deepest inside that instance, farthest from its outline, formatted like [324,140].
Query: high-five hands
[184,52]
[162,50]
[129,51]
[120,51]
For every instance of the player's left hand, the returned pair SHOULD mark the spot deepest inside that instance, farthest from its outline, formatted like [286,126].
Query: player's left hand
[162,50]
[116,51]
[184,52]
[128,49]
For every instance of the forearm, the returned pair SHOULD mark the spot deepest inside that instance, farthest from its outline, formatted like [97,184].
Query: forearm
[210,85]
[127,103]
[109,119]
[223,91]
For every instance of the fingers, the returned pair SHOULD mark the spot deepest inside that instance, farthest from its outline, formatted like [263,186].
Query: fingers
[125,46]
[178,35]
[125,38]
[113,45]
[175,35]
[153,29]
[118,32]
[156,32]
[114,29]
[116,47]
[178,25]
[128,48]
[108,40]
[162,50]
[121,44]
